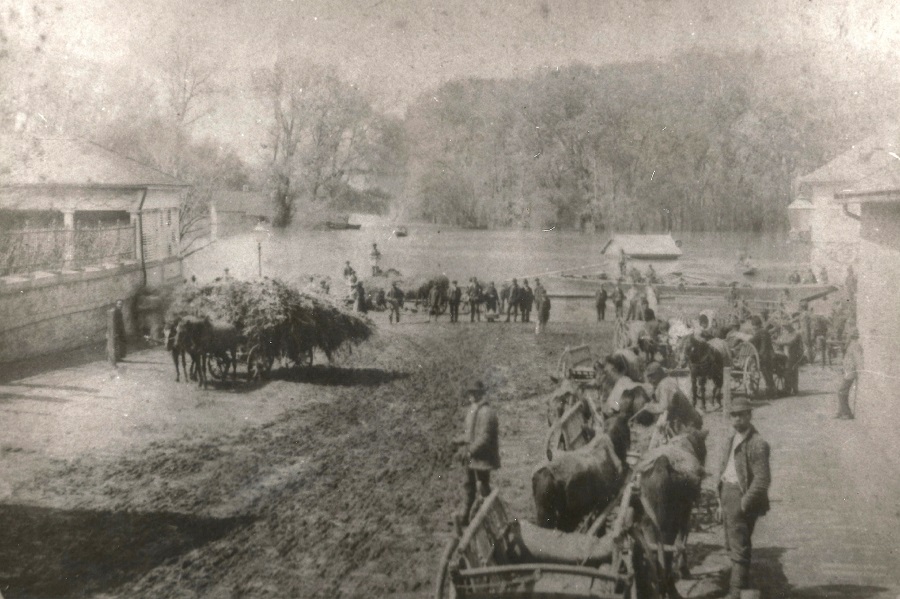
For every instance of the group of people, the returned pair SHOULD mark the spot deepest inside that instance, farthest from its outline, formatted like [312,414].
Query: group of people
[744,473]
[634,306]
[513,300]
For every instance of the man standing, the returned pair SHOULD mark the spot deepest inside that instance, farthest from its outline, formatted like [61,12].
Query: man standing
[618,298]
[454,299]
[515,298]
[806,332]
[491,299]
[119,341]
[479,448]
[852,366]
[474,293]
[541,301]
[600,301]
[395,301]
[376,257]
[527,301]
[434,302]
[623,263]
[744,480]
[792,343]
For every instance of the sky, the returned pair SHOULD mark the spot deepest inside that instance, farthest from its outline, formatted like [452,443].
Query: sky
[397,50]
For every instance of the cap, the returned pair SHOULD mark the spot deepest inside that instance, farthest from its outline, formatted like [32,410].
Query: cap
[476,388]
[654,369]
[741,404]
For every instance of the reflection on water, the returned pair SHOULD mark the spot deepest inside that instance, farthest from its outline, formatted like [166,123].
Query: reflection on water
[489,255]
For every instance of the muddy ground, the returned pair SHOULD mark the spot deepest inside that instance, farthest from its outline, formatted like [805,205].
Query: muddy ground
[334,481]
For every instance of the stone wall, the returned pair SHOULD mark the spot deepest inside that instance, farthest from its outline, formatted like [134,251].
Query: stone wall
[45,312]
[878,399]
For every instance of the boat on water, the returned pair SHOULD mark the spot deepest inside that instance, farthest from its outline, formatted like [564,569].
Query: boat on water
[341,226]
[400,232]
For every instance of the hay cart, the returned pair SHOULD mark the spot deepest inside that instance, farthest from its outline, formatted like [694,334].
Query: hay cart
[260,354]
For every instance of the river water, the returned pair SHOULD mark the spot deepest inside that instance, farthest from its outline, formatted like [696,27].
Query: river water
[489,255]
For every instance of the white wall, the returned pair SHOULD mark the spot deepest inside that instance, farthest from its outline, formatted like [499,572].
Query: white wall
[878,314]
[834,236]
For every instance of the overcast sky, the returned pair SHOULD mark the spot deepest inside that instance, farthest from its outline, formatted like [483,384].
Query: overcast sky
[397,49]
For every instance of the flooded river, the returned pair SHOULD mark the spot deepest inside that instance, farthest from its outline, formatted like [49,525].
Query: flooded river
[489,255]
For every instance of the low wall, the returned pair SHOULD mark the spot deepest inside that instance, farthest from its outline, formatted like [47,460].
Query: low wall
[47,312]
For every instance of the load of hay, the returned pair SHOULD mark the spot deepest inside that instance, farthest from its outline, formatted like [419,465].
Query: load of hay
[274,314]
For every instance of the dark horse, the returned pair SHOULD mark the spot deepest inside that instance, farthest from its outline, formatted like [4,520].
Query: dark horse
[670,488]
[705,362]
[205,340]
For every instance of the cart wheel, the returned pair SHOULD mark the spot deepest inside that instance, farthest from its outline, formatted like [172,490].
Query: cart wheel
[218,366]
[752,376]
[443,585]
[259,364]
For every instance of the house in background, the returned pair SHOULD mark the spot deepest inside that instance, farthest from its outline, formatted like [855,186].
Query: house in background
[80,227]
[643,247]
[878,287]
[833,227]
[235,212]
[69,203]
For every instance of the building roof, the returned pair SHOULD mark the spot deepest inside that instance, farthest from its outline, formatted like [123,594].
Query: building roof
[861,161]
[254,203]
[644,246]
[33,161]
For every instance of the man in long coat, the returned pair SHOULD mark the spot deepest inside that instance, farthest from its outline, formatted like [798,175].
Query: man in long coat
[479,448]
[600,301]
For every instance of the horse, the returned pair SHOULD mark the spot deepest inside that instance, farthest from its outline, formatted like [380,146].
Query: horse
[177,351]
[706,361]
[204,339]
[669,488]
[575,483]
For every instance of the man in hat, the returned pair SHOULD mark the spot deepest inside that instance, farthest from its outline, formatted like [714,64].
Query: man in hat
[744,479]
[474,293]
[852,365]
[527,301]
[479,448]
[792,346]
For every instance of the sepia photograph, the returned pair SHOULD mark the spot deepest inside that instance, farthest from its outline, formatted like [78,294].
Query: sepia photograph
[418,299]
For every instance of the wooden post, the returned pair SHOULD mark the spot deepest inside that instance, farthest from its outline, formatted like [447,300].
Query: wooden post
[726,389]
[112,340]
[69,241]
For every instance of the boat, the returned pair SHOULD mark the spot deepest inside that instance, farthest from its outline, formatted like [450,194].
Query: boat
[338,226]
[400,232]
[749,271]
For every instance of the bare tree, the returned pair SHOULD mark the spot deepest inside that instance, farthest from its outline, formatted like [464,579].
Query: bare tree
[323,133]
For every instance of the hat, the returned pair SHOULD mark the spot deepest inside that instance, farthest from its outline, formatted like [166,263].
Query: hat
[476,388]
[741,404]
[654,369]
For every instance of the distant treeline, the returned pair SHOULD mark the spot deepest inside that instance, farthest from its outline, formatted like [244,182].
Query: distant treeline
[698,143]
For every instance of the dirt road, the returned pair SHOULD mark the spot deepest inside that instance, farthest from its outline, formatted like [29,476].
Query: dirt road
[329,482]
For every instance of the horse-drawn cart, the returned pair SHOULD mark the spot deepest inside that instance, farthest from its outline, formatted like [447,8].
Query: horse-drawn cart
[746,370]
[499,556]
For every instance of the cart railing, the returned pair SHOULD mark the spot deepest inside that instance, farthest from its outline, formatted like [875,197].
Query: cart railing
[519,580]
